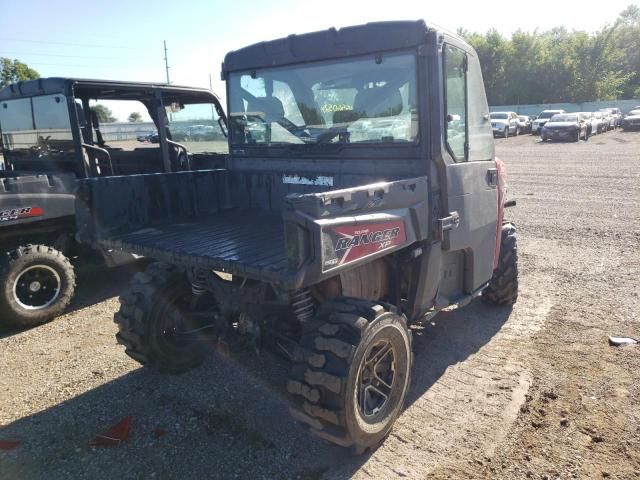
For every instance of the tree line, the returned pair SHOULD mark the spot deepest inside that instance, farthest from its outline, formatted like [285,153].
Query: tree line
[560,65]
[529,67]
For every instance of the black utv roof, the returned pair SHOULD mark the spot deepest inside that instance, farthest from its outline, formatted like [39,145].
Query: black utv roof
[101,88]
[326,44]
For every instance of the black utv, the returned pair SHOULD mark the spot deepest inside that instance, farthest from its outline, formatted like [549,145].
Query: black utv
[361,195]
[51,136]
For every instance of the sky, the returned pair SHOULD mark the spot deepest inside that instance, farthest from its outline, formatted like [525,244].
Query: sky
[123,40]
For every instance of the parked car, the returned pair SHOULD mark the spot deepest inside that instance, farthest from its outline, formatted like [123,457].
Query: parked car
[597,125]
[525,123]
[504,123]
[616,114]
[543,118]
[608,118]
[566,126]
[588,118]
[149,137]
[632,120]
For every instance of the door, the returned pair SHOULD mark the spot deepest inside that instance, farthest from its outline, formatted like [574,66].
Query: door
[471,173]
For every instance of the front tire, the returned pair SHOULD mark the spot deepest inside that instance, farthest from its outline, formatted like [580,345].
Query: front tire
[37,283]
[505,134]
[153,313]
[352,372]
[503,287]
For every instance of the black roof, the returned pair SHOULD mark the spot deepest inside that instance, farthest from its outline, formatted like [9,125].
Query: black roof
[101,88]
[332,43]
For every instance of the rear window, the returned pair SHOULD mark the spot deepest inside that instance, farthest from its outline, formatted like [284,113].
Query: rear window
[561,117]
[39,124]
[547,114]
[499,116]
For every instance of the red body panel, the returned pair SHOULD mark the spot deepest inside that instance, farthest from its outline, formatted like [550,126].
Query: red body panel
[501,191]
[352,242]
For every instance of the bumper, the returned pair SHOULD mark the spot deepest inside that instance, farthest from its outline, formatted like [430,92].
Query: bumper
[559,135]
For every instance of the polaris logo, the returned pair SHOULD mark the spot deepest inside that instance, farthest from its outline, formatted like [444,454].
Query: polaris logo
[380,236]
[20,212]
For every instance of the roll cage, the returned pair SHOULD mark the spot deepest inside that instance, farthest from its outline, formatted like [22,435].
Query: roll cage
[87,153]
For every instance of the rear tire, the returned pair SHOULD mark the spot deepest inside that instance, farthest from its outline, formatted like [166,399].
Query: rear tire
[503,287]
[334,389]
[37,283]
[152,315]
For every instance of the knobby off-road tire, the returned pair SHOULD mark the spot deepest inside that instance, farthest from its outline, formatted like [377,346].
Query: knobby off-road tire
[333,389]
[150,317]
[37,283]
[503,287]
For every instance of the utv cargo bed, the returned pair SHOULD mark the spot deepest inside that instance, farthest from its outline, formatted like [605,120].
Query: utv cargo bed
[252,224]
[240,241]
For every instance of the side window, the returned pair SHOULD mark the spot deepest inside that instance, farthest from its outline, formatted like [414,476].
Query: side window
[455,84]
[124,125]
[196,126]
[481,146]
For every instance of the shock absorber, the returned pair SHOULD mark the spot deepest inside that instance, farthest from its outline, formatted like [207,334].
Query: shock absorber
[303,305]
[198,284]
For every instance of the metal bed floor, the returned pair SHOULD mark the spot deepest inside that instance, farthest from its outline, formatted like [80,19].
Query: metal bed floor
[238,241]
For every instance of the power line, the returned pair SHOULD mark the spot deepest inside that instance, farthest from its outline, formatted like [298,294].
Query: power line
[59,55]
[80,66]
[88,45]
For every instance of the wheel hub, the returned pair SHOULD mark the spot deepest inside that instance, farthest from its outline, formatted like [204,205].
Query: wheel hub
[376,379]
[37,287]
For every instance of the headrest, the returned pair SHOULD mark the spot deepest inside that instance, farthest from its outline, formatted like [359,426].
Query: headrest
[270,109]
[344,117]
[378,102]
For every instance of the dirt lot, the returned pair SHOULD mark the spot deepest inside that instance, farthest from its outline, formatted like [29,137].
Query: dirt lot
[529,392]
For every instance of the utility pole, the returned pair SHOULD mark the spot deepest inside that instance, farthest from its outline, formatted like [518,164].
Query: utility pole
[212,109]
[166,61]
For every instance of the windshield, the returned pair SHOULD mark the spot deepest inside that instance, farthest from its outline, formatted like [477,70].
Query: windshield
[547,114]
[345,101]
[523,118]
[561,117]
[499,116]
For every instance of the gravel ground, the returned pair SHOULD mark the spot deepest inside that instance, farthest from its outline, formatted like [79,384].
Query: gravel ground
[529,392]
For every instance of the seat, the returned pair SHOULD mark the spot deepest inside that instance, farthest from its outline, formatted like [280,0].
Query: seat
[378,102]
[269,109]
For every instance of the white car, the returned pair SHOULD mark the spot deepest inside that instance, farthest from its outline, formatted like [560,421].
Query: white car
[597,123]
[543,118]
[504,123]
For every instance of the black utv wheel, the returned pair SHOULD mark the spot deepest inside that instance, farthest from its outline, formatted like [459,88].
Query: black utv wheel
[36,285]
[352,372]
[153,321]
[503,287]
